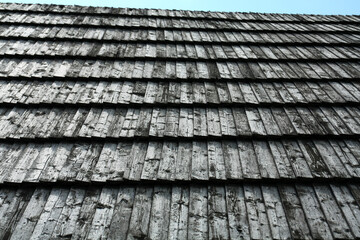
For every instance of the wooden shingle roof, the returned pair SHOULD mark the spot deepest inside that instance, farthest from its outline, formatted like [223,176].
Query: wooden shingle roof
[123,123]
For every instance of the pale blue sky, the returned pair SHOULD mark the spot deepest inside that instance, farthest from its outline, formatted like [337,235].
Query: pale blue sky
[272,6]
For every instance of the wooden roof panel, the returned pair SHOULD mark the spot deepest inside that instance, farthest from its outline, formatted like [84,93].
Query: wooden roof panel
[236,125]
[178,161]
[234,52]
[212,69]
[207,211]
[20,122]
[196,93]
[101,11]
[71,33]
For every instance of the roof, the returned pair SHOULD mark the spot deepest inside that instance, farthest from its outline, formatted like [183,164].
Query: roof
[123,123]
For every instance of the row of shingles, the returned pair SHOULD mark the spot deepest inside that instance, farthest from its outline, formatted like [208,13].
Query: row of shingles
[175,93]
[71,9]
[185,122]
[299,211]
[169,23]
[179,161]
[176,13]
[150,51]
[220,36]
[180,70]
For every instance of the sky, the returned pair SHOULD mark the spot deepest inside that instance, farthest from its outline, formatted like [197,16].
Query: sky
[265,6]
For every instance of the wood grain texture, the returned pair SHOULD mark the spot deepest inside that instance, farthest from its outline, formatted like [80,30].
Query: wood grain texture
[179,160]
[97,122]
[120,123]
[219,211]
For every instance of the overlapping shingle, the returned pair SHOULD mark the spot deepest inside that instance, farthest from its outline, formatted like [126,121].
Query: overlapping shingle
[73,34]
[247,211]
[175,93]
[233,52]
[20,122]
[179,161]
[179,70]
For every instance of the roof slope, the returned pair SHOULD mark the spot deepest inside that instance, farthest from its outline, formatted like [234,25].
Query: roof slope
[165,124]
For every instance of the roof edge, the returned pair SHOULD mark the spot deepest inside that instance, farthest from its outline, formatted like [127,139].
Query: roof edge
[151,11]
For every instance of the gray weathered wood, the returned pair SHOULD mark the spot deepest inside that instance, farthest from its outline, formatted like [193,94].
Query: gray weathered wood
[313,213]
[152,161]
[216,162]
[198,213]
[255,122]
[349,208]
[297,159]
[332,212]
[24,227]
[281,160]
[103,214]
[237,212]
[50,214]
[265,160]
[217,213]
[168,161]
[83,224]
[232,160]
[121,214]
[275,212]
[140,216]
[160,213]
[184,161]
[13,209]
[134,166]
[294,213]
[66,222]
[258,222]
[179,210]
[199,163]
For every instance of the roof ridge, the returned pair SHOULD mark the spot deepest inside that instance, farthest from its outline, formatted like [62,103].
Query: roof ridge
[105,9]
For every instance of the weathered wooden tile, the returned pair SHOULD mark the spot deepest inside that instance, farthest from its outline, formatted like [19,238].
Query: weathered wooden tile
[33,210]
[198,213]
[276,214]
[259,226]
[179,212]
[121,213]
[140,216]
[295,214]
[332,212]
[160,213]
[315,217]
[217,213]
